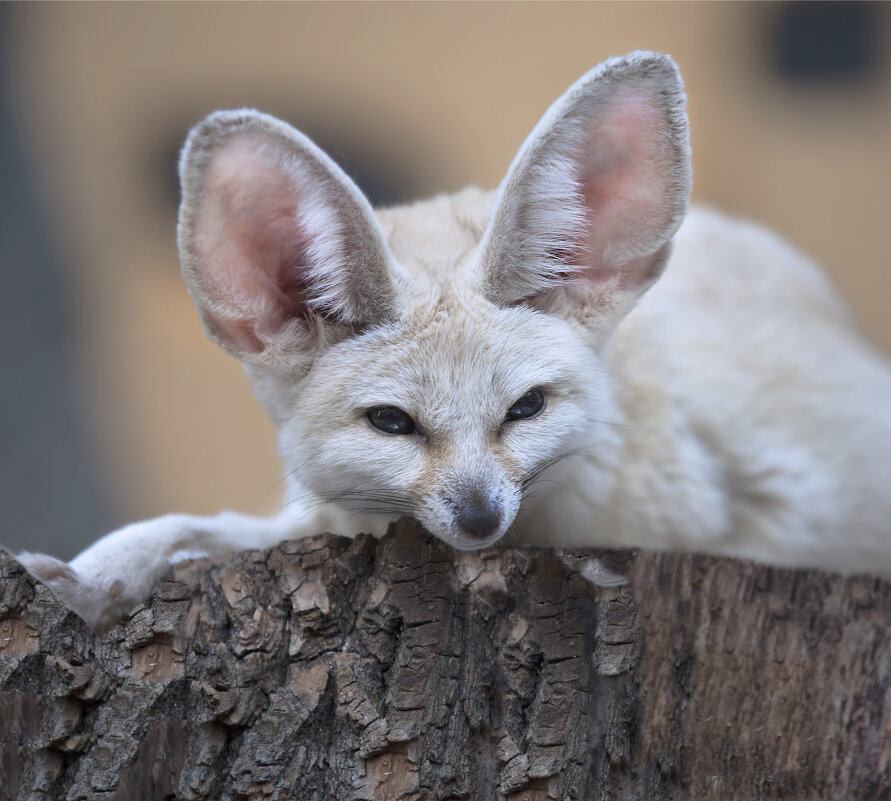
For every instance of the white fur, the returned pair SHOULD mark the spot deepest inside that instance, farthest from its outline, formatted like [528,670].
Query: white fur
[732,409]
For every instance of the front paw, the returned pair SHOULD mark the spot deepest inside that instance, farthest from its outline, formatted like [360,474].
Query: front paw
[101,607]
[597,569]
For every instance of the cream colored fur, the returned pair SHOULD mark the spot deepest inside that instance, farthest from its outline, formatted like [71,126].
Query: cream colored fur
[733,408]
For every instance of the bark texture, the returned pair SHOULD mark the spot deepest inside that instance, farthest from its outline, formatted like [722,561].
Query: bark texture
[341,669]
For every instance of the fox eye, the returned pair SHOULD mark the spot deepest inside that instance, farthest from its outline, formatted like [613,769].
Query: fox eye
[528,405]
[390,420]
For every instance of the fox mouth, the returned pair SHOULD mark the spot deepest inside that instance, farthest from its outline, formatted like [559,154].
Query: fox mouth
[455,537]
[456,540]
[473,516]
[466,544]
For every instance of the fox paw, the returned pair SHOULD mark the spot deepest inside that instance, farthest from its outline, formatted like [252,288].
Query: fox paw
[597,570]
[100,607]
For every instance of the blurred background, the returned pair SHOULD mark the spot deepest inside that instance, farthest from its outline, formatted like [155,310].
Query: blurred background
[114,405]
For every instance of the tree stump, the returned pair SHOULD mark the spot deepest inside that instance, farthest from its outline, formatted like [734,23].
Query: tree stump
[381,670]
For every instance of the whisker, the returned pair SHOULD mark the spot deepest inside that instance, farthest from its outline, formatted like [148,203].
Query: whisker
[358,502]
[533,475]
[624,425]
[536,471]
[380,510]
[292,471]
[531,492]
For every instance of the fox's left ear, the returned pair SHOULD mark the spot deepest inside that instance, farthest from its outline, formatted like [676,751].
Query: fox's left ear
[584,218]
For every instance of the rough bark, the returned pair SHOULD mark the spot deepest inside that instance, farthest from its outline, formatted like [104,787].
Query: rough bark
[343,669]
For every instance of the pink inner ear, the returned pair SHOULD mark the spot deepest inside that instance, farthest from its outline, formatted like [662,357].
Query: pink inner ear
[251,248]
[239,333]
[626,188]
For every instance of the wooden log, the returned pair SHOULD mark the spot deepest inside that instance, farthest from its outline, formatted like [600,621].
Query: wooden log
[381,670]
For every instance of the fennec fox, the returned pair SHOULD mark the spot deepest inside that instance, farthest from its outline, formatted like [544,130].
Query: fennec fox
[489,363]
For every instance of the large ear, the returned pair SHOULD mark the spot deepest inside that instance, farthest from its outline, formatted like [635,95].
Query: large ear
[278,246]
[584,218]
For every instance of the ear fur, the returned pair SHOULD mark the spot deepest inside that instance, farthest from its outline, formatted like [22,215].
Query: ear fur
[278,247]
[587,210]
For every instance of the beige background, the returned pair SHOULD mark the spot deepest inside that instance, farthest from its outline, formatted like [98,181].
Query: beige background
[435,96]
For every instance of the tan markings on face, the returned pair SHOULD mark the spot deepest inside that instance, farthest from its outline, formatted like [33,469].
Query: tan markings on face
[443,463]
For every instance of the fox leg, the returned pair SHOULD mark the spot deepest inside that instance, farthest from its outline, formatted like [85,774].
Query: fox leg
[103,582]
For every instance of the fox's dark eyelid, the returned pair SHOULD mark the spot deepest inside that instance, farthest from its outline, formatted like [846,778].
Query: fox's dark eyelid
[527,406]
[390,420]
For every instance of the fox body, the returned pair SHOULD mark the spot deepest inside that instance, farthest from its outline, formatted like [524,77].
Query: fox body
[506,363]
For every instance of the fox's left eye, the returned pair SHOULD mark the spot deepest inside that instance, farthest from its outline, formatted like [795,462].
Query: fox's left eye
[529,405]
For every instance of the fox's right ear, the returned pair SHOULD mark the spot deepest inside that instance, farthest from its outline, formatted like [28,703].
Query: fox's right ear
[278,246]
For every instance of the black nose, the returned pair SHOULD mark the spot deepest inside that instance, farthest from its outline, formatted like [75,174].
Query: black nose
[480,517]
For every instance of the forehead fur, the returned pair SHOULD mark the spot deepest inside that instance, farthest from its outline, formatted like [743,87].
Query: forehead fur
[454,361]
[437,239]
[451,354]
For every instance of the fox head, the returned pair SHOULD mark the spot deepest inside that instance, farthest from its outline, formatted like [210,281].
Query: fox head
[434,360]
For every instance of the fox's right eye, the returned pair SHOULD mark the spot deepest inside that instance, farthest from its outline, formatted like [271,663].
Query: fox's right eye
[390,420]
